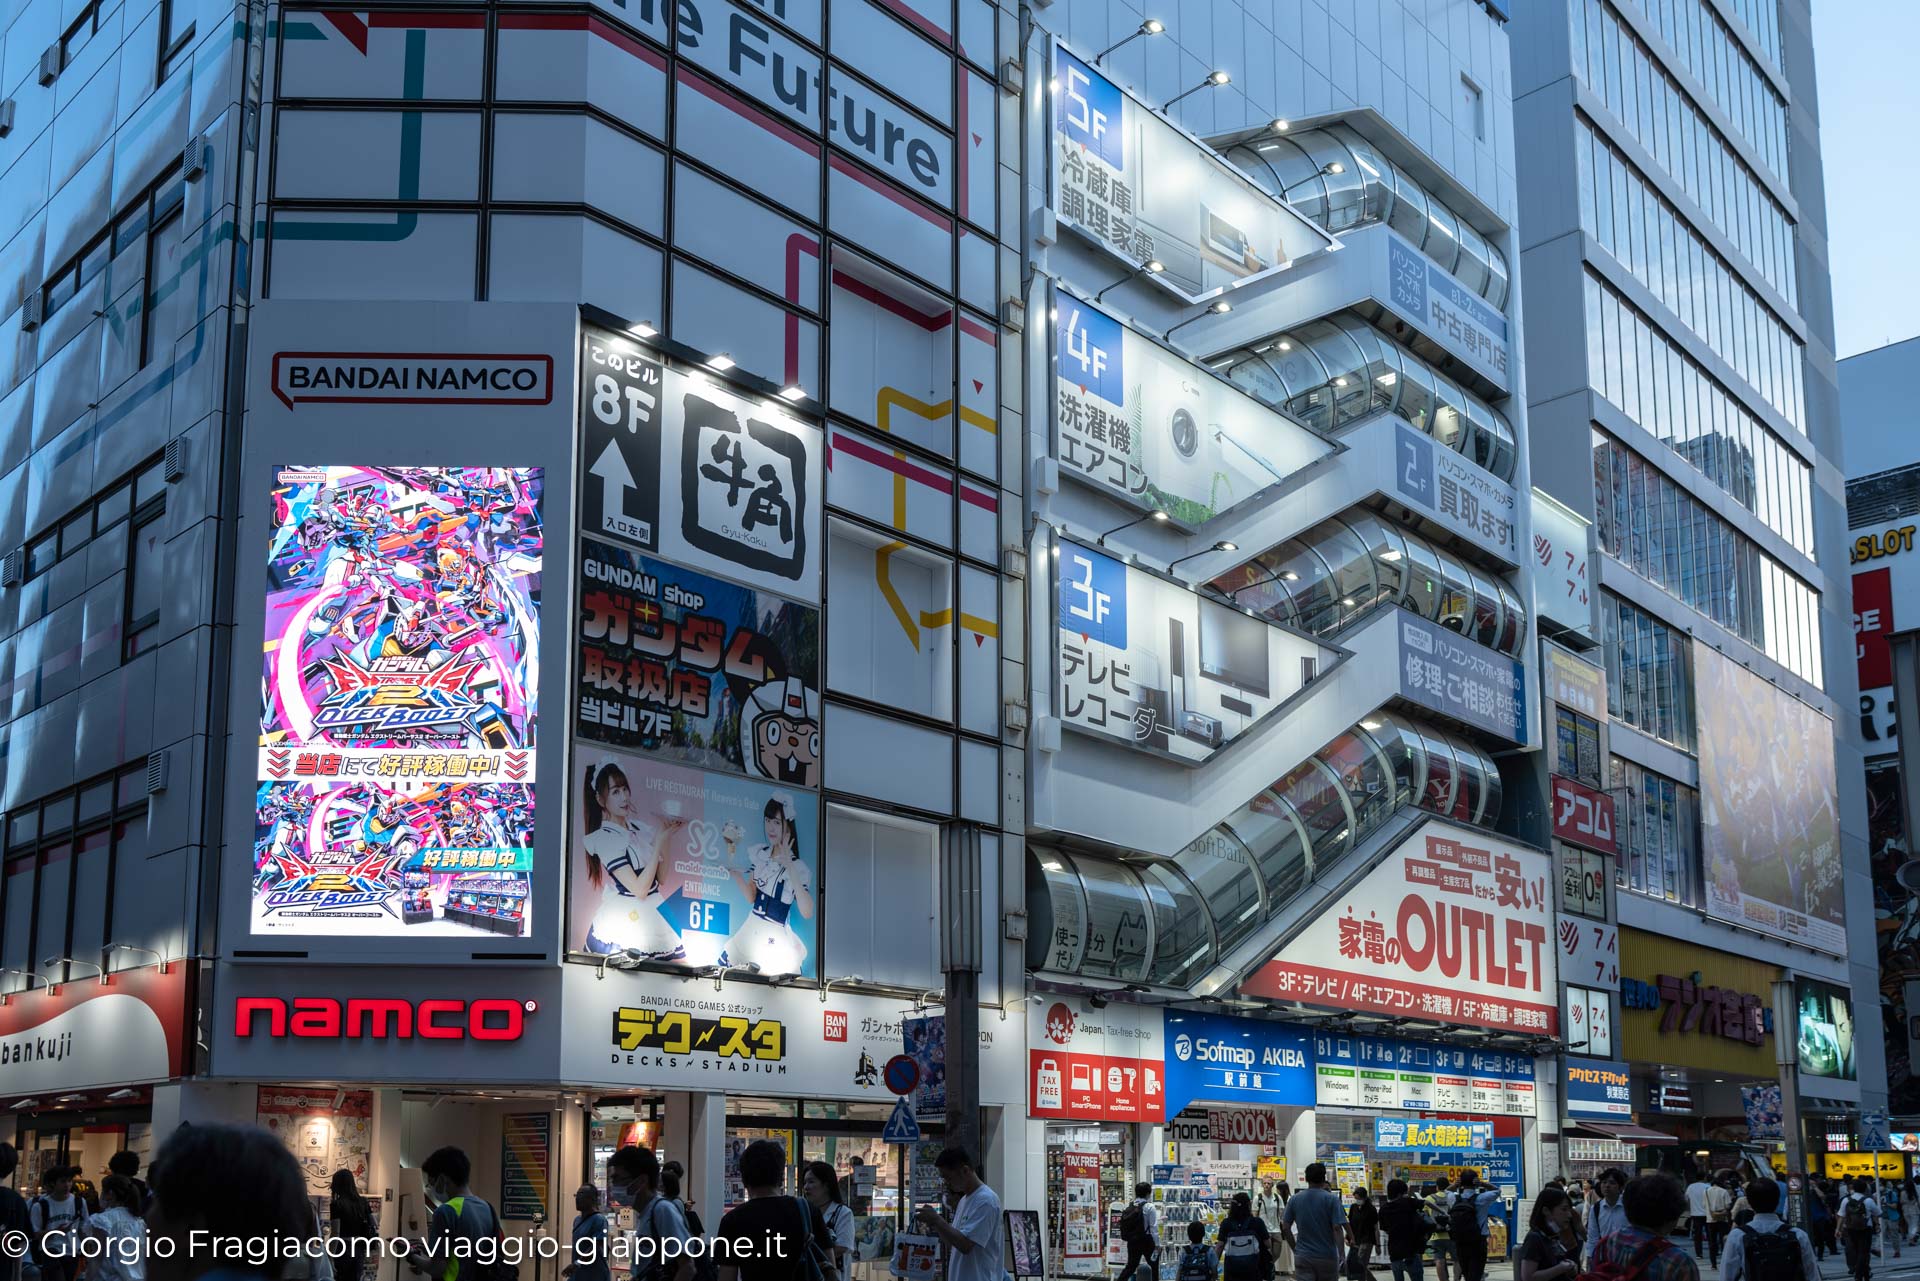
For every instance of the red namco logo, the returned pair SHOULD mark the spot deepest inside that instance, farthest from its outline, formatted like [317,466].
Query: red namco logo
[836,1025]
[326,1018]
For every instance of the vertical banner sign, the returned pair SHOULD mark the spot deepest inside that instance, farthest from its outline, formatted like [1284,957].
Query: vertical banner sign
[685,468]
[1083,1250]
[526,1139]
[926,1043]
[1872,625]
[1146,424]
[1133,184]
[399,702]
[1455,927]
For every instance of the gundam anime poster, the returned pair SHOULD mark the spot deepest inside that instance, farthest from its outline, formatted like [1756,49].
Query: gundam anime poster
[689,868]
[697,670]
[399,702]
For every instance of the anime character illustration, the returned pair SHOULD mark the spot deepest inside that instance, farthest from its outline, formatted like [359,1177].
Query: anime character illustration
[780,733]
[624,856]
[777,882]
[403,609]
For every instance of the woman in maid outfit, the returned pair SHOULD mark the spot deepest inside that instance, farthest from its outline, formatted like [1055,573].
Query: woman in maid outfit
[624,854]
[777,882]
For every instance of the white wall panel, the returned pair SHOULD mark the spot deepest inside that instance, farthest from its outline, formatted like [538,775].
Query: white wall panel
[903,763]
[556,57]
[715,316]
[880,217]
[732,231]
[873,478]
[902,60]
[734,136]
[379,55]
[568,159]
[569,257]
[372,255]
[882,887]
[890,628]
[892,354]
[378,155]
[979,644]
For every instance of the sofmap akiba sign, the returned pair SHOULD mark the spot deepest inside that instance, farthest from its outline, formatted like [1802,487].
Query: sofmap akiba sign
[1454,927]
[1133,184]
[87,1034]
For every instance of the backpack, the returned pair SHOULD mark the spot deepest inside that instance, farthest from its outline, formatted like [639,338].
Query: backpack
[1196,1263]
[1437,1215]
[1242,1253]
[1772,1256]
[704,1268]
[1133,1226]
[1463,1216]
[1853,1213]
[47,1231]
[1611,1271]
[495,1269]
[814,1263]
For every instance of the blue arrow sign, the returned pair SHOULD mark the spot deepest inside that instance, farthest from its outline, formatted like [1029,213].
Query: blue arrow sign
[695,915]
[901,1126]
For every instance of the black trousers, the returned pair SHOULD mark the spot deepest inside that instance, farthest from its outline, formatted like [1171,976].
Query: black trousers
[1472,1253]
[1860,1253]
[1135,1253]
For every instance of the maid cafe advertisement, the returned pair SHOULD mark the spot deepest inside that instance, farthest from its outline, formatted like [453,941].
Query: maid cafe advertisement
[696,817]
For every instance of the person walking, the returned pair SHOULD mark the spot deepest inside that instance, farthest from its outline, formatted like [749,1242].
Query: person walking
[1363,1227]
[56,1218]
[1608,1214]
[1859,1221]
[660,1232]
[350,1219]
[779,1228]
[1719,1216]
[1197,1260]
[1697,1212]
[589,1239]
[13,1211]
[1404,1219]
[1819,1221]
[127,1166]
[821,1187]
[450,1251]
[1544,1255]
[1766,1248]
[1314,1225]
[1656,1207]
[1140,1231]
[1467,1219]
[223,1182]
[122,1254]
[1438,1202]
[1246,1247]
[1893,1207]
[974,1235]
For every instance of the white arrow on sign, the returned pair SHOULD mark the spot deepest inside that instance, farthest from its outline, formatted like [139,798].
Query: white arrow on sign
[616,478]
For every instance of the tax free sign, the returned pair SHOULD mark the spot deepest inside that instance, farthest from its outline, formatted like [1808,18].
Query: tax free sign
[1217,1058]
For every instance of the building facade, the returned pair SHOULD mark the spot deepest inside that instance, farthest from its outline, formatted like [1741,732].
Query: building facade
[1682,397]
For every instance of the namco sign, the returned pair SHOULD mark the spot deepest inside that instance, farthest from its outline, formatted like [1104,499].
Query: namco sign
[331,1019]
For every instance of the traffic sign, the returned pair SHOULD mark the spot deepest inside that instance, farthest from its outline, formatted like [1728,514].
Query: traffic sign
[901,1126]
[901,1074]
[1873,1132]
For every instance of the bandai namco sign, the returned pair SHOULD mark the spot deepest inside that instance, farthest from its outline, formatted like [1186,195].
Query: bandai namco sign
[411,378]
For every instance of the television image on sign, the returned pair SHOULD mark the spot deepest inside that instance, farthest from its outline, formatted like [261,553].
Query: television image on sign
[1233,648]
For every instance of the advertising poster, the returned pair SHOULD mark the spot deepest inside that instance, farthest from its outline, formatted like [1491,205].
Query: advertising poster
[696,670]
[924,1040]
[526,1142]
[1083,1247]
[678,465]
[1455,927]
[1147,662]
[1826,1029]
[1088,1063]
[916,1258]
[1763,1106]
[1023,1241]
[1128,180]
[399,701]
[1598,1088]
[322,1137]
[1408,1134]
[691,868]
[1442,670]
[1148,425]
[1769,809]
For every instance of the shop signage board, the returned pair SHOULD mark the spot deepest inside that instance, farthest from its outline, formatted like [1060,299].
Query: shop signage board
[1087,1064]
[1445,672]
[526,1143]
[1445,310]
[1562,583]
[1219,1058]
[1388,1072]
[1403,1134]
[1146,424]
[1582,815]
[1596,1088]
[1691,1006]
[630,1030]
[1457,494]
[679,466]
[1454,926]
[1589,951]
[1242,1125]
[1141,190]
[1611,1151]
[1573,683]
[1147,662]
[85,1035]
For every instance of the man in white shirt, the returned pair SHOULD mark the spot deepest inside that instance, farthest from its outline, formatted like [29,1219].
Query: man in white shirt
[1859,1216]
[56,1218]
[974,1234]
[1608,1215]
[1719,1217]
[1141,1233]
[1697,1213]
[1757,1251]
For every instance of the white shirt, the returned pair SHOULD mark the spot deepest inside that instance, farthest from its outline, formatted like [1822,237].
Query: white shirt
[1697,1198]
[1151,1213]
[68,1214]
[1733,1260]
[977,1218]
[123,1259]
[1719,1201]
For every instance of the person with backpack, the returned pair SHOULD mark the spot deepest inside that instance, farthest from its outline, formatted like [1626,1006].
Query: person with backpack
[1246,1247]
[1197,1260]
[1656,1206]
[1140,1230]
[1859,1221]
[1467,1218]
[1767,1248]
[1404,1219]
[590,1246]
[350,1219]
[1608,1214]
[661,1235]
[672,1175]
[460,1222]
[974,1237]
[1544,1255]
[1314,1225]
[1438,1203]
[56,1219]
[821,1187]
[13,1211]
[1892,1206]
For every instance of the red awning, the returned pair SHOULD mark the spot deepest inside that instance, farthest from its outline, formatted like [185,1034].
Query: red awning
[1619,1130]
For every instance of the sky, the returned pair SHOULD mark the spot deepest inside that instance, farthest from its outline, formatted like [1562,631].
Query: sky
[1869,118]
